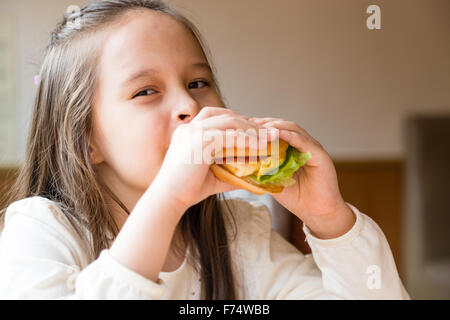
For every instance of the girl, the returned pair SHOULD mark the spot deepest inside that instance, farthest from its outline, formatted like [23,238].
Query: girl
[104,209]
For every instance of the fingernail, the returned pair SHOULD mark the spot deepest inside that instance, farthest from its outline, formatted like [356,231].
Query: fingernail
[273,133]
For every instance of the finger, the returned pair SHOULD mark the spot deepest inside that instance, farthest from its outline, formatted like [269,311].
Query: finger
[230,121]
[242,139]
[262,121]
[244,133]
[223,186]
[289,125]
[214,142]
[218,186]
[217,141]
[279,123]
[249,126]
[286,125]
[207,112]
[237,114]
[299,141]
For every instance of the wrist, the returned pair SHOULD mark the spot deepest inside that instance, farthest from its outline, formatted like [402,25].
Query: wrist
[149,229]
[333,225]
[162,196]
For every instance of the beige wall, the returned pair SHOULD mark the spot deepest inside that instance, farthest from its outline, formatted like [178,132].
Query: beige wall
[312,61]
[315,61]
[33,21]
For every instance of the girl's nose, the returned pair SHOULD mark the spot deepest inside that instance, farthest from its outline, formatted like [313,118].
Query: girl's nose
[187,110]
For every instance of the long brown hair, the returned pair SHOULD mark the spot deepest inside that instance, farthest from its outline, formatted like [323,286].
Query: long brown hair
[57,164]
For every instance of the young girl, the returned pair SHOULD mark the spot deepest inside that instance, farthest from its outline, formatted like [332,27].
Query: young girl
[104,209]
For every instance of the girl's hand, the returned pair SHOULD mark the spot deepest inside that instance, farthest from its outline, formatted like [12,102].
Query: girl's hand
[315,197]
[178,185]
[184,175]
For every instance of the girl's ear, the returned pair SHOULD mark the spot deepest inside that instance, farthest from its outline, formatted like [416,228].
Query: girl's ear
[95,155]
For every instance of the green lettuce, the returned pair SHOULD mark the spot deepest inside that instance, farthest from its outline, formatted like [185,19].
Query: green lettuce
[283,174]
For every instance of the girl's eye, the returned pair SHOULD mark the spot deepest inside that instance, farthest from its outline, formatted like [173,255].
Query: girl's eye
[193,85]
[205,84]
[145,92]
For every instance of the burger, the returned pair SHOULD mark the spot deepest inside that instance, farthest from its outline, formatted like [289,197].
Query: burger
[260,171]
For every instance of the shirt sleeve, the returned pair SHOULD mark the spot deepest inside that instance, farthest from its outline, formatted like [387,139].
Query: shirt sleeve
[40,259]
[356,265]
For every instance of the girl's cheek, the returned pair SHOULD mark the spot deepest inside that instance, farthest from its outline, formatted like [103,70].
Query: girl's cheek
[153,139]
[144,136]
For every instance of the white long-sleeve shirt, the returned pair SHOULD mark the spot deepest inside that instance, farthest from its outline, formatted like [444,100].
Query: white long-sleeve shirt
[42,257]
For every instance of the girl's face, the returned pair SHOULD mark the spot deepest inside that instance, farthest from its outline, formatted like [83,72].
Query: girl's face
[153,77]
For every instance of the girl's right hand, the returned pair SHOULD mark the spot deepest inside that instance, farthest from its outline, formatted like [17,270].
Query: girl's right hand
[186,183]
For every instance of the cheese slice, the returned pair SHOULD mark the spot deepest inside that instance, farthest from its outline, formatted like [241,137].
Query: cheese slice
[271,163]
[242,169]
[262,167]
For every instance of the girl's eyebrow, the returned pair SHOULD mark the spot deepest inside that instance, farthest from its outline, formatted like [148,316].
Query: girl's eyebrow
[140,74]
[202,65]
[152,72]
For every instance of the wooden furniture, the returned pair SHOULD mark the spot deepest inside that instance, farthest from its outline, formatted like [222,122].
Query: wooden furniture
[427,206]
[376,189]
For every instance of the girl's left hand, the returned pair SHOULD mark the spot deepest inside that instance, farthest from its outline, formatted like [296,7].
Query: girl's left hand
[315,197]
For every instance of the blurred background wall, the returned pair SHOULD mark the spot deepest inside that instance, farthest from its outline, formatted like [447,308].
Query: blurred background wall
[311,61]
